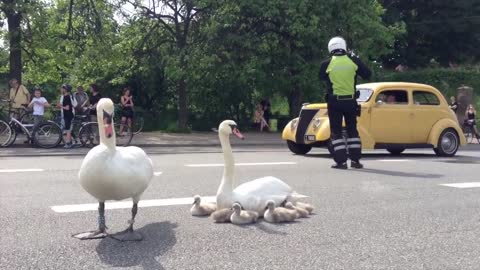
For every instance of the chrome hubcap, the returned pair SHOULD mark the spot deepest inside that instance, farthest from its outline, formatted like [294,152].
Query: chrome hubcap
[449,142]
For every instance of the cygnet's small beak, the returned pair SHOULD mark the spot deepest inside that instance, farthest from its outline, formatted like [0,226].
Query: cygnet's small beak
[237,133]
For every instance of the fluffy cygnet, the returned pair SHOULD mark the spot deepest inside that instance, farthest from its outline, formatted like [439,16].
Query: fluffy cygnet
[241,217]
[305,206]
[222,215]
[202,209]
[279,214]
[302,213]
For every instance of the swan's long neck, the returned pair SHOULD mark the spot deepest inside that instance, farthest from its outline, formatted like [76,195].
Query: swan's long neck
[227,184]
[109,142]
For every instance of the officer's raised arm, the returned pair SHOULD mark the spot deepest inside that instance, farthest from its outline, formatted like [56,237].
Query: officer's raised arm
[362,70]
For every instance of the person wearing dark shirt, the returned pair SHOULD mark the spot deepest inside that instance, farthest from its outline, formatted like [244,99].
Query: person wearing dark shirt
[340,74]
[66,105]
[96,96]
[453,104]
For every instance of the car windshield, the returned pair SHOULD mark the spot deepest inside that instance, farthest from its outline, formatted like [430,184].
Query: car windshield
[365,94]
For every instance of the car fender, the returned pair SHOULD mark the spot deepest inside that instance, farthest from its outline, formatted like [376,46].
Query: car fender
[440,126]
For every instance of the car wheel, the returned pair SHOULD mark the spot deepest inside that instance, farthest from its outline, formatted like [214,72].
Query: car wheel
[299,149]
[448,143]
[396,150]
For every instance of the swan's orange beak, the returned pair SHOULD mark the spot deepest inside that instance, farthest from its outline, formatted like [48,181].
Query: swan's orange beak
[237,133]
[107,124]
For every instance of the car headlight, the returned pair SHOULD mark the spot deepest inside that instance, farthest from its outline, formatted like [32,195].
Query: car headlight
[316,123]
[294,124]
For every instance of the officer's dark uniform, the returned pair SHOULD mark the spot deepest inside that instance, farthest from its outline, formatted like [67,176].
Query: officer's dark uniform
[340,72]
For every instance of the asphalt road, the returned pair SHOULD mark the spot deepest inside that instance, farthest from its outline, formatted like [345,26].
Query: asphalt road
[395,214]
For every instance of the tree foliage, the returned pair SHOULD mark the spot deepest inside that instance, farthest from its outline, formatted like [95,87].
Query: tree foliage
[197,62]
[443,31]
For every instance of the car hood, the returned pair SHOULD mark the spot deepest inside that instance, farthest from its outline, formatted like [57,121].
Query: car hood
[315,106]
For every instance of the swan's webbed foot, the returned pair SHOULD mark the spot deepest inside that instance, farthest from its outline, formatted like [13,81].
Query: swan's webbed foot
[129,234]
[102,228]
[98,234]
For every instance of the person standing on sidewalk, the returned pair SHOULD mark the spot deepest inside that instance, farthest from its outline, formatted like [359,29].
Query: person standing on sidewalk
[67,106]
[19,97]
[340,72]
[38,103]
[94,98]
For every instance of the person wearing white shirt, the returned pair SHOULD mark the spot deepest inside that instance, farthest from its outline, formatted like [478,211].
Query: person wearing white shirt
[38,103]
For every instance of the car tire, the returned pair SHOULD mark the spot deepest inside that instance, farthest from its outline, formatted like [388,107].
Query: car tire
[298,149]
[448,143]
[396,150]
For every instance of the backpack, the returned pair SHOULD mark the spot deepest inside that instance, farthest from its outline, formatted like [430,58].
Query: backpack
[74,101]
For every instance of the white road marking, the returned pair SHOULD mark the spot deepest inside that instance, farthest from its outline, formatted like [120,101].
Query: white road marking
[394,160]
[20,170]
[157,173]
[463,185]
[242,164]
[127,204]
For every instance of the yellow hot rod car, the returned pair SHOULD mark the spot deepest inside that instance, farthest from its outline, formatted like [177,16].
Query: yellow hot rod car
[394,116]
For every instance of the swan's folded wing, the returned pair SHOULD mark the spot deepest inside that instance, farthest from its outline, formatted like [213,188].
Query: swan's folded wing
[268,185]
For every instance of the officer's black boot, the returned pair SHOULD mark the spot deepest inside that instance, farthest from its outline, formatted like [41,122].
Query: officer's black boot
[356,164]
[342,166]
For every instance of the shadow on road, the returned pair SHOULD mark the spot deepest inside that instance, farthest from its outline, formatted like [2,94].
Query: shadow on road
[158,238]
[400,174]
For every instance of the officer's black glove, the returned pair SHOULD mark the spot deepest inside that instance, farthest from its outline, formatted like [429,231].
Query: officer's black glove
[359,110]
[357,94]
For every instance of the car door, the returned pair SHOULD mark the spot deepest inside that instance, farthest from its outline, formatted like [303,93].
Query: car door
[391,117]
[426,112]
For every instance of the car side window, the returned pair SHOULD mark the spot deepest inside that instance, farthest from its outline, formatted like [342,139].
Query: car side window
[393,97]
[425,98]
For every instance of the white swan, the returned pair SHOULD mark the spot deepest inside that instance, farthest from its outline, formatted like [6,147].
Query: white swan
[114,173]
[251,195]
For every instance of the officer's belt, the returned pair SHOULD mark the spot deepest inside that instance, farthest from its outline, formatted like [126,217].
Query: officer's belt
[344,97]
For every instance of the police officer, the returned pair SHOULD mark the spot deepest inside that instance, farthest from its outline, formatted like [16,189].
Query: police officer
[340,72]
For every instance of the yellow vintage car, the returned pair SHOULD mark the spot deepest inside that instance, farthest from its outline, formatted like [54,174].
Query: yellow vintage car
[394,116]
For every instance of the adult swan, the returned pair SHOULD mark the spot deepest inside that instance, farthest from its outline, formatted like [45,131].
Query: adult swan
[251,195]
[114,173]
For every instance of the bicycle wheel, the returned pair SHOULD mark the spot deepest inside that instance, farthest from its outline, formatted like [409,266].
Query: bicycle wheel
[27,118]
[124,138]
[6,133]
[88,135]
[137,124]
[47,135]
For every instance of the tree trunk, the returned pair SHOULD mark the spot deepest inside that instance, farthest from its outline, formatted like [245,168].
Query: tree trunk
[295,101]
[182,105]
[15,39]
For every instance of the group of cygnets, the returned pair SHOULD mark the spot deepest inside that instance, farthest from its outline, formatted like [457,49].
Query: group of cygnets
[236,215]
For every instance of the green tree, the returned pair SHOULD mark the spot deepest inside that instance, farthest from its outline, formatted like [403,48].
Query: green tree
[441,30]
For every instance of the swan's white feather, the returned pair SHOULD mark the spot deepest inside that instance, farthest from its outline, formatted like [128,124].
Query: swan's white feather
[116,175]
[253,195]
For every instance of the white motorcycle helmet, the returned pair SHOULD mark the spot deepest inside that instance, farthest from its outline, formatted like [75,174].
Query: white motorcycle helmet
[337,43]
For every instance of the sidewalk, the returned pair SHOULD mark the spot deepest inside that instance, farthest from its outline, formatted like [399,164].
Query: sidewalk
[159,139]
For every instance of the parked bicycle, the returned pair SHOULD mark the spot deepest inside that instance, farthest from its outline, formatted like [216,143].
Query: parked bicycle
[85,133]
[46,134]
[137,122]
